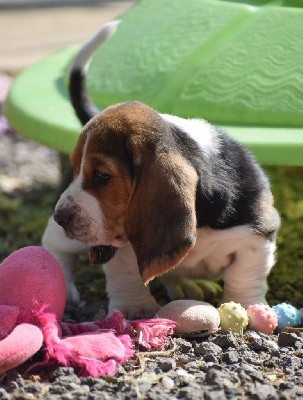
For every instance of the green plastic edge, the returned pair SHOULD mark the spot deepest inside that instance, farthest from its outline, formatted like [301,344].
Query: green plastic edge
[38,107]
[48,118]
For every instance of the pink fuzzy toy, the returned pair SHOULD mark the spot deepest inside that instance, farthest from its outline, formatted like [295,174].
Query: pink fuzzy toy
[32,300]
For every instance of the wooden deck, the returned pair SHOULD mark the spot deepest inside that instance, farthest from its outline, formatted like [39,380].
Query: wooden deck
[32,29]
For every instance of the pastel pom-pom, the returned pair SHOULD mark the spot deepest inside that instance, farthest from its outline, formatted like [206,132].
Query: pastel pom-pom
[193,318]
[287,315]
[233,317]
[262,318]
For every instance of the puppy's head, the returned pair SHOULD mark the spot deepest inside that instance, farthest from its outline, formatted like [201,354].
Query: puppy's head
[131,185]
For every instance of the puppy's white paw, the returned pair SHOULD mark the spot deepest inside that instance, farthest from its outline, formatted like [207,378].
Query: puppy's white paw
[132,311]
[72,294]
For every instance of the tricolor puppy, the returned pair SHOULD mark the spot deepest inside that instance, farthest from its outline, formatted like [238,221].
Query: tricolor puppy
[166,196]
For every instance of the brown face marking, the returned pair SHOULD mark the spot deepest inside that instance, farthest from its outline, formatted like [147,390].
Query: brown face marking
[102,151]
[112,192]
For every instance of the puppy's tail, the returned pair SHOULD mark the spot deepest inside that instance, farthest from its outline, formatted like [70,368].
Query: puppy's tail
[82,104]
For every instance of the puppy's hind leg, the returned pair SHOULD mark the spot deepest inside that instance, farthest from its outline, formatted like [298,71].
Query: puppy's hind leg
[65,251]
[245,279]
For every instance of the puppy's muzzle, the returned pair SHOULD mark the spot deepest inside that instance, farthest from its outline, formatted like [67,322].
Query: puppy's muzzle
[63,217]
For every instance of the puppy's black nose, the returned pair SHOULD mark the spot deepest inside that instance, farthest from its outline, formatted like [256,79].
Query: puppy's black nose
[63,217]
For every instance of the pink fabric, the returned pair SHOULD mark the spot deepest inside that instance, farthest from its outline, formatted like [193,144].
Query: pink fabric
[92,354]
[148,333]
[151,333]
[99,346]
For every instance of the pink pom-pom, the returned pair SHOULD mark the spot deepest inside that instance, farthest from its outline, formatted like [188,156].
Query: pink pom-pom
[262,318]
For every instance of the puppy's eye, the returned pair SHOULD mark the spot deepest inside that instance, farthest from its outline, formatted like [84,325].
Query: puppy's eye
[100,178]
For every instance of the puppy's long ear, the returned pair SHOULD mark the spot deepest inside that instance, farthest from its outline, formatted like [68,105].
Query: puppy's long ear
[161,218]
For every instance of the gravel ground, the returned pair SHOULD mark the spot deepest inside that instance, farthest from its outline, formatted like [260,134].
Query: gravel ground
[222,366]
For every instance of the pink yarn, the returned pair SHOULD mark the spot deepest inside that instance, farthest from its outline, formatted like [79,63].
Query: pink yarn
[91,353]
[100,346]
[151,333]
[148,333]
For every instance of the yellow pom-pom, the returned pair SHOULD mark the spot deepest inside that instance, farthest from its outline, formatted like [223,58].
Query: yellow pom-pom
[233,317]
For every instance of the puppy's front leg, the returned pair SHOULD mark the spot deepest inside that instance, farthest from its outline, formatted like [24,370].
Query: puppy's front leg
[125,288]
[245,279]
[65,251]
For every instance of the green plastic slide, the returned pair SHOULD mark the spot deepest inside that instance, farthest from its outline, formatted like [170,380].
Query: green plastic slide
[237,64]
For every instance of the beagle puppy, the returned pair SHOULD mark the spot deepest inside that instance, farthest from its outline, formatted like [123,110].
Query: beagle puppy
[161,196]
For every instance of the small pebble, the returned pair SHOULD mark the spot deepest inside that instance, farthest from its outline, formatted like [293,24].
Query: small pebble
[184,377]
[272,345]
[225,340]
[214,377]
[64,373]
[194,366]
[166,364]
[192,392]
[288,339]
[167,383]
[4,395]
[256,342]
[215,394]
[90,381]
[261,391]
[290,362]
[230,357]
[210,358]
[207,348]
[184,345]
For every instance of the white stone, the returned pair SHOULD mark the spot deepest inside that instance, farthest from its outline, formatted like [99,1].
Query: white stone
[194,318]
[167,383]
